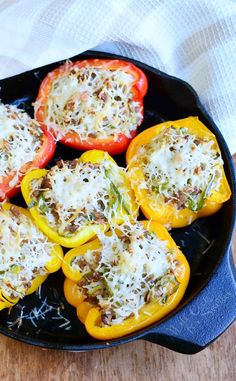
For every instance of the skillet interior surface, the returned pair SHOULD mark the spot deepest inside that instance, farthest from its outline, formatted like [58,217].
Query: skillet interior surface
[45,318]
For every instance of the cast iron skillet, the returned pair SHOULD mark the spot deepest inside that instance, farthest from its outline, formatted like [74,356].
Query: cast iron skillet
[209,305]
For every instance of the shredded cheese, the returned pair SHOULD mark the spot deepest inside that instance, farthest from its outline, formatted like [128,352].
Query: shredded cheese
[24,251]
[20,138]
[93,102]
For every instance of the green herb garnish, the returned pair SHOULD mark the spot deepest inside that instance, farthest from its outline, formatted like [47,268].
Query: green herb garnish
[44,209]
[116,192]
[205,193]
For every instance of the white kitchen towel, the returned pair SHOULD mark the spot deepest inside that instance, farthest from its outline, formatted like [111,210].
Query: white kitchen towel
[191,39]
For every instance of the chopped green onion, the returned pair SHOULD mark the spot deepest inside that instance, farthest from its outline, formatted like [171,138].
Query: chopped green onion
[44,209]
[117,193]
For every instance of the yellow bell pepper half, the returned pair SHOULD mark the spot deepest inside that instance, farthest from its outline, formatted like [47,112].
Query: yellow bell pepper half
[51,266]
[162,212]
[90,314]
[88,232]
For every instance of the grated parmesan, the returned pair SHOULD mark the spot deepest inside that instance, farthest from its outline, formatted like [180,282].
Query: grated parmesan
[47,311]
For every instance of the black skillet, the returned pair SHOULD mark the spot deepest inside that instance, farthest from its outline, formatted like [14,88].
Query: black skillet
[209,305]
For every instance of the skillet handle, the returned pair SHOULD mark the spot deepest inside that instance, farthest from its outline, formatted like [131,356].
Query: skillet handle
[206,317]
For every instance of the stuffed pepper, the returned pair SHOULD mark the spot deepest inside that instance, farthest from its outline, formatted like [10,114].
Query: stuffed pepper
[176,171]
[27,255]
[125,280]
[74,199]
[23,146]
[93,104]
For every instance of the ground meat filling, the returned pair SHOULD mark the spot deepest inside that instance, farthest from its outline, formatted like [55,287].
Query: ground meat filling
[74,194]
[181,169]
[93,102]
[129,271]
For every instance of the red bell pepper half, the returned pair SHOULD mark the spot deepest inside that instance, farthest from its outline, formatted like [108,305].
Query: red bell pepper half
[112,144]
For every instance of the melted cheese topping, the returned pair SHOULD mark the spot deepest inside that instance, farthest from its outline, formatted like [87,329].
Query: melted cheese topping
[93,102]
[180,168]
[24,251]
[77,194]
[20,138]
[128,271]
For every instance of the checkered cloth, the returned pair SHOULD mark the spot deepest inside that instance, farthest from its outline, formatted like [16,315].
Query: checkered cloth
[191,39]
